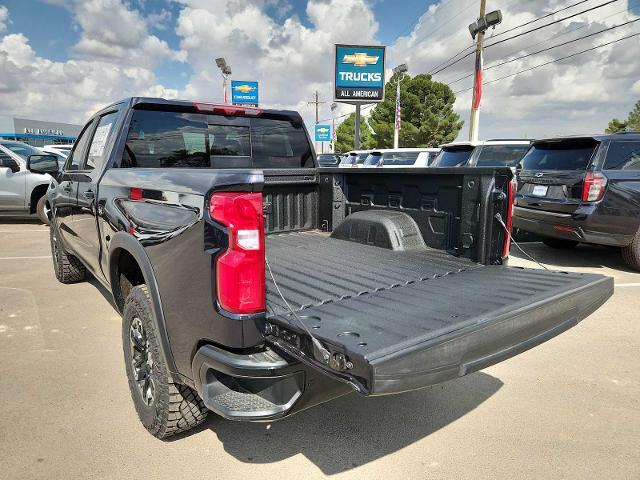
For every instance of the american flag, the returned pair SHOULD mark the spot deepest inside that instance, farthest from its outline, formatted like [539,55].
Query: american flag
[398,105]
[478,82]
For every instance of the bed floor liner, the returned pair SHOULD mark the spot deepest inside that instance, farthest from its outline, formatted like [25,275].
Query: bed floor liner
[395,321]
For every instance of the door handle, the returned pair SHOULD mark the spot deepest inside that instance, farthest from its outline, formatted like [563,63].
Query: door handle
[67,188]
[88,194]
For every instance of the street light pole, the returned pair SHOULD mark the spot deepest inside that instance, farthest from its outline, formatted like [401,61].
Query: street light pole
[399,70]
[225,71]
[474,121]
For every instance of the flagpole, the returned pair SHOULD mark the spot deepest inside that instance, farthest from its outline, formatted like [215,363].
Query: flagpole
[474,121]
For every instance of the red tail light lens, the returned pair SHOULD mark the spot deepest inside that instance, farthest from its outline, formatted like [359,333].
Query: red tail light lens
[240,274]
[232,110]
[594,186]
[511,189]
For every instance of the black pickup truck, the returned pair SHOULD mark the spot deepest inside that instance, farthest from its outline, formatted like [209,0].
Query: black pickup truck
[255,285]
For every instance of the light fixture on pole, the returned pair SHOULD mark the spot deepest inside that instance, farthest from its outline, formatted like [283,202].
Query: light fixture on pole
[399,70]
[226,71]
[477,29]
[334,106]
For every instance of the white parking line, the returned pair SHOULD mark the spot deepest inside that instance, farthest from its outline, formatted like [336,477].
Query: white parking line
[627,284]
[25,258]
[22,231]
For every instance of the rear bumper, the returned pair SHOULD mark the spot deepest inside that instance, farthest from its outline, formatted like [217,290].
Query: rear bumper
[566,226]
[262,386]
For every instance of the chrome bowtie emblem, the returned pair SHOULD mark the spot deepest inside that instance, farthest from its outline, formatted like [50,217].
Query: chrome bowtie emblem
[539,174]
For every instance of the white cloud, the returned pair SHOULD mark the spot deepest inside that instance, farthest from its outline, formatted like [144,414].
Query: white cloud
[108,66]
[4,14]
[580,94]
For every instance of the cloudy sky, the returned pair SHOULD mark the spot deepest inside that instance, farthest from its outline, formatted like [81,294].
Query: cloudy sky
[63,59]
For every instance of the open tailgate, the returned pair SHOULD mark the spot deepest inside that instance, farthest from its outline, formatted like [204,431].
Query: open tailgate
[428,331]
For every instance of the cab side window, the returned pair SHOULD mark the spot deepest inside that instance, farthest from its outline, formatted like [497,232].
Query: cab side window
[98,150]
[623,156]
[77,155]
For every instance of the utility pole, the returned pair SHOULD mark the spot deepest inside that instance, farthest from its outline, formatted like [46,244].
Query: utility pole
[474,121]
[317,103]
[399,70]
[333,127]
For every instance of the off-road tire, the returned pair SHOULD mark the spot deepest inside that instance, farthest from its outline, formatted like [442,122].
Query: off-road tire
[68,269]
[631,253]
[175,407]
[41,210]
[559,243]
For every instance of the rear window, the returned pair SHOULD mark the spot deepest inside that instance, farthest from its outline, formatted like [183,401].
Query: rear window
[623,156]
[373,159]
[400,158]
[194,140]
[501,155]
[349,159]
[453,157]
[559,156]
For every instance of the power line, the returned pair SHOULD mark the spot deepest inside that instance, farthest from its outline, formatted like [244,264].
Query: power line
[540,18]
[509,30]
[552,61]
[524,33]
[495,65]
[552,23]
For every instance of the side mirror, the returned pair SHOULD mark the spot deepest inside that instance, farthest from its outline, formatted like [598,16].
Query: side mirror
[10,163]
[43,163]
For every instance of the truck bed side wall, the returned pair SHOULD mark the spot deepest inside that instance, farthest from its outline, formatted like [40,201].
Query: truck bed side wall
[454,208]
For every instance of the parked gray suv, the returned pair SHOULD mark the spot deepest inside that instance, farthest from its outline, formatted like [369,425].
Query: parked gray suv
[24,179]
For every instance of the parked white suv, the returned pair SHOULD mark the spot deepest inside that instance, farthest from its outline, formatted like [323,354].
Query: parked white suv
[24,179]
[401,157]
[489,153]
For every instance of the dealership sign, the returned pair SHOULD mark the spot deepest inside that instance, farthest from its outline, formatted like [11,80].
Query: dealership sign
[244,93]
[359,74]
[323,133]
[43,131]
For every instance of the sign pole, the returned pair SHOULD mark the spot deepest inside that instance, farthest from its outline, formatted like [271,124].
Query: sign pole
[474,120]
[356,139]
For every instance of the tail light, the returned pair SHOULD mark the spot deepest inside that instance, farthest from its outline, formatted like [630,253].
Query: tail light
[594,186]
[240,274]
[228,109]
[511,188]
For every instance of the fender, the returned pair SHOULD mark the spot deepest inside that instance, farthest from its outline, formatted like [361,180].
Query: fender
[124,241]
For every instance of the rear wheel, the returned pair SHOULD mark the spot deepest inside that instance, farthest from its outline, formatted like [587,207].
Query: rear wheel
[42,210]
[68,269]
[631,253]
[559,243]
[164,407]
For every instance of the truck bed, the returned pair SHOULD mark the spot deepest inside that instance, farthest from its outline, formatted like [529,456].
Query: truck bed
[410,319]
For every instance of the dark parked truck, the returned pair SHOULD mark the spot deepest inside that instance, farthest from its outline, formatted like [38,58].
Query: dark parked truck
[255,285]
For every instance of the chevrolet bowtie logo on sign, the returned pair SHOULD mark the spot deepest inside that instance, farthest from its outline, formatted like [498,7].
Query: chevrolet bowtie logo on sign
[244,88]
[323,133]
[359,74]
[360,59]
[244,93]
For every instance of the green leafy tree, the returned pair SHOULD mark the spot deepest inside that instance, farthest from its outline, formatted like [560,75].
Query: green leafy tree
[427,118]
[632,123]
[345,135]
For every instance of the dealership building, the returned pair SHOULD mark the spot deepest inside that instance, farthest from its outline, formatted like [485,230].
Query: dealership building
[37,132]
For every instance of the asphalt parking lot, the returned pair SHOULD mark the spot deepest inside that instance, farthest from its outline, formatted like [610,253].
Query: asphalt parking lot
[569,408]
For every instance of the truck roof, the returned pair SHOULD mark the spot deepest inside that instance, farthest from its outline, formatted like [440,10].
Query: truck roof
[193,105]
[598,137]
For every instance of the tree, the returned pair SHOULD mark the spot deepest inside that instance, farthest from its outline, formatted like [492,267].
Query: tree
[632,123]
[427,116]
[345,135]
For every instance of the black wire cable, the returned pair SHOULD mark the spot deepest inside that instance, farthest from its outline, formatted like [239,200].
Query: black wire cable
[552,61]
[524,33]
[509,30]
[540,18]
[495,65]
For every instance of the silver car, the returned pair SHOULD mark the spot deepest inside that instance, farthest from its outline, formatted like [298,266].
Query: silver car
[24,179]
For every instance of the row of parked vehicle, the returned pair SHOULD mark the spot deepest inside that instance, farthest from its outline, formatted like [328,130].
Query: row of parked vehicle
[570,190]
